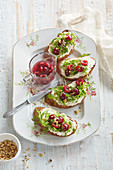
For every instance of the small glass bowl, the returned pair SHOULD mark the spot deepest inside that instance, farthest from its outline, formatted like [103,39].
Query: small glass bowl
[43,56]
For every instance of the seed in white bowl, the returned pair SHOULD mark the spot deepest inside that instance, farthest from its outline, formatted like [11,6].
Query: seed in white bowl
[8,150]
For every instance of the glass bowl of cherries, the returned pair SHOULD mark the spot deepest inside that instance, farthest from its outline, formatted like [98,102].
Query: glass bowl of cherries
[42,68]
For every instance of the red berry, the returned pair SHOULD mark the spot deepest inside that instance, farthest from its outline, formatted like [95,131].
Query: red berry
[43,75]
[45,68]
[70,67]
[54,125]
[65,127]
[50,71]
[52,116]
[60,119]
[66,89]
[75,91]
[68,37]
[62,96]
[37,73]
[79,69]
[79,82]
[47,64]
[56,51]
[51,68]
[84,62]
[67,73]
[40,68]
[41,63]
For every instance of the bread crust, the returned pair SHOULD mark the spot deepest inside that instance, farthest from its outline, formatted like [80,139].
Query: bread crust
[40,108]
[72,79]
[51,102]
[61,58]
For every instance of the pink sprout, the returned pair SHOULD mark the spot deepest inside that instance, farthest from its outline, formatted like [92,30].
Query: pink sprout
[78,40]
[93,93]
[35,132]
[84,125]
[32,43]
[88,93]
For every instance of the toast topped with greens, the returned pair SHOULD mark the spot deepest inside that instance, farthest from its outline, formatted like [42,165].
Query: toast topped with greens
[63,45]
[70,95]
[53,122]
[74,68]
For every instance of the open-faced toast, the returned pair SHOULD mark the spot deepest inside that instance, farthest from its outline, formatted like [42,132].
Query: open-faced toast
[63,45]
[53,122]
[66,96]
[74,68]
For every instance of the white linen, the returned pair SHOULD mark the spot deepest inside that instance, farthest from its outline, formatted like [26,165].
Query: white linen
[89,22]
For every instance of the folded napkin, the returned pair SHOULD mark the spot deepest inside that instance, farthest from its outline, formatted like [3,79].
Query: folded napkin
[89,22]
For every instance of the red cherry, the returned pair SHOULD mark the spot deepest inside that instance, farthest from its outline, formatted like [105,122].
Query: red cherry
[70,67]
[68,37]
[41,63]
[43,75]
[62,96]
[47,64]
[50,71]
[51,68]
[54,125]
[40,68]
[84,62]
[67,73]
[75,91]
[79,69]
[45,68]
[65,127]
[79,82]
[37,73]
[66,89]
[60,119]
[56,51]
[52,116]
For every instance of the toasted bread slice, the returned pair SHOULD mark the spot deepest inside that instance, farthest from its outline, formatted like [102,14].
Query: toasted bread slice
[67,96]
[52,102]
[41,117]
[63,46]
[72,73]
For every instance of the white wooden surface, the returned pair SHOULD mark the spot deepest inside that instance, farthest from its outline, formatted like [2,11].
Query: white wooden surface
[19,18]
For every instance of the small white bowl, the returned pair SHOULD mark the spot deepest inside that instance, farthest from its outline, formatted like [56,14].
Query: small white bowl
[9,136]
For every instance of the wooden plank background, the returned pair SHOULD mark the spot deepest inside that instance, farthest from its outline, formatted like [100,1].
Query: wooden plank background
[19,18]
